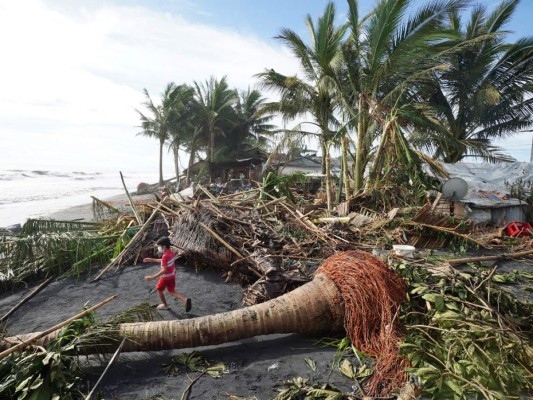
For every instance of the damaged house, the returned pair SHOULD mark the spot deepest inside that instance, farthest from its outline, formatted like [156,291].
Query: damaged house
[489,199]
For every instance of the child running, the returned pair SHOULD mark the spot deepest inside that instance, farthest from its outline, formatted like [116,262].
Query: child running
[166,275]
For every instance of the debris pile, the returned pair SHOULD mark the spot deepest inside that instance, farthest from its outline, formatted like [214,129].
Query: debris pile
[274,244]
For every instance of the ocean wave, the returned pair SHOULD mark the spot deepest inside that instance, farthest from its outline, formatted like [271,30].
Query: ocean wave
[14,174]
[87,173]
[36,197]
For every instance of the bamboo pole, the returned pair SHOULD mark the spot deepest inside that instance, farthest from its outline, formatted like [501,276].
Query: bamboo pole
[115,356]
[25,299]
[181,204]
[504,256]
[137,216]
[227,196]
[270,203]
[208,193]
[451,231]
[131,242]
[170,210]
[54,328]
[216,236]
[330,220]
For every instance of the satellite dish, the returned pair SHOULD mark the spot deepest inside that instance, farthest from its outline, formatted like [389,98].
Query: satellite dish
[454,189]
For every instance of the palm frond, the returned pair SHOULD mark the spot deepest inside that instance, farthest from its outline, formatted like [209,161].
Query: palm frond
[41,225]
[30,258]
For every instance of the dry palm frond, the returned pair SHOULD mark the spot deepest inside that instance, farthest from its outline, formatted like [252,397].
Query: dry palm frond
[103,210]
[140,312]
[30,258]
[33,226]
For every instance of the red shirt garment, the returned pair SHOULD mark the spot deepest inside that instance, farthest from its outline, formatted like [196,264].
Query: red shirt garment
[168,261]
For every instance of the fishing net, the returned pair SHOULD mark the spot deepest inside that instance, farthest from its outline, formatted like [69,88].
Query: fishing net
[372,295]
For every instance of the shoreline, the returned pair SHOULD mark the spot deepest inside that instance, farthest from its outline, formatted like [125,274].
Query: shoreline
[29,194]
[84,212]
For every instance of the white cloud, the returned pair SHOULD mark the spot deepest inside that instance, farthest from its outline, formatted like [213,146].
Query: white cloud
[72,74]
[71,77]
[519,146]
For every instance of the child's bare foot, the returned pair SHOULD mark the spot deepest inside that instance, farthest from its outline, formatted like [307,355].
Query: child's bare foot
[163,307]
[188,305]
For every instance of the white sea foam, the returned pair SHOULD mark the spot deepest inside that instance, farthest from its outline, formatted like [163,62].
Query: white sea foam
[35,193]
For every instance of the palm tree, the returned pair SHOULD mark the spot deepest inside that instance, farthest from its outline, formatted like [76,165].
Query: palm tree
[312,94]
[182,127]
[486,91]
[214,112]
[385,57]
[160,123]
[251,126]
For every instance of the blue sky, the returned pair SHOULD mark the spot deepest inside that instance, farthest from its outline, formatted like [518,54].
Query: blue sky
[73,71]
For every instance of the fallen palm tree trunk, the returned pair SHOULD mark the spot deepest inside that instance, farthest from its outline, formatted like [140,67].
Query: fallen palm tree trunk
[350,289]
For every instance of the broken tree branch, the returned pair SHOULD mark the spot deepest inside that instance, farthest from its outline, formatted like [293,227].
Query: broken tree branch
[450,231]
[504,256]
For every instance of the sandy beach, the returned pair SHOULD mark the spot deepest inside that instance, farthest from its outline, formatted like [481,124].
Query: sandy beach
[254,366]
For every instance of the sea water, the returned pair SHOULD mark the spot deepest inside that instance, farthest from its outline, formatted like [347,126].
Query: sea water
[33,193]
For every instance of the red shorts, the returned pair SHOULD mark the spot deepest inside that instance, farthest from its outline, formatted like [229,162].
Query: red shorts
[169,283]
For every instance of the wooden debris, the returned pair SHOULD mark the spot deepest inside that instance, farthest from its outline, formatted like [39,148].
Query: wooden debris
[99,204]
[236,233]
[137,216]
[504,256]
[111,362]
